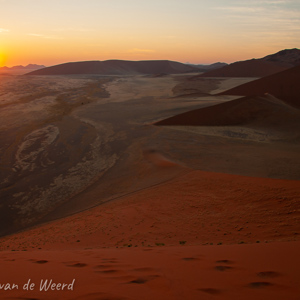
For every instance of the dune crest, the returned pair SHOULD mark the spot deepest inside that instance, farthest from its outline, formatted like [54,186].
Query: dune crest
[117,67]
[261,67]
[283,85]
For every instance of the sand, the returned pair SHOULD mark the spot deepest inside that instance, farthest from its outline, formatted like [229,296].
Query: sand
[283,85]
[116,208]
[167,242]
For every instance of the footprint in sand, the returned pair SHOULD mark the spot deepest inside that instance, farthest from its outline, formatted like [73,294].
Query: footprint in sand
[222,268]
[259,284]
[110,260]
[268,274]
[210,291]
[109,271]
[144,269]
[225,261]
[41,262]
[142,280]
[189,258]
[77,265]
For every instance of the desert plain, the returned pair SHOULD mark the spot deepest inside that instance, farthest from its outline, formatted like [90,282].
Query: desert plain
[99,184]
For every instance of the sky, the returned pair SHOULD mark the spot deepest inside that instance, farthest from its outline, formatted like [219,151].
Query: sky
[50,32]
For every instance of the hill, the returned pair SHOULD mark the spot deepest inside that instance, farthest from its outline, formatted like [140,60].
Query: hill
[117,67]
[206,68]
[261,67]
[28,67]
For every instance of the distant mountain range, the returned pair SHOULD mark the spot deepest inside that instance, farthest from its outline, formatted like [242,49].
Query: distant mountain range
[205,68]
[28,67]
[261,67]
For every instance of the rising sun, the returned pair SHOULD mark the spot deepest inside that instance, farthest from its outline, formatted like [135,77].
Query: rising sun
[2,59]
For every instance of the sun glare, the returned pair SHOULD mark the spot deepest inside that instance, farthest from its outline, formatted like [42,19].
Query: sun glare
[2,59]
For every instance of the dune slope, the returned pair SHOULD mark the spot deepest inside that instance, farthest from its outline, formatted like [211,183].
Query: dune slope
[117,67]
[261,67]
[283,85]
[151,246]
[259,111]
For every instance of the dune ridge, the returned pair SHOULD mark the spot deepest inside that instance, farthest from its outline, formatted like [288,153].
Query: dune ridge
[261,67]
[258,111]
[283,85]
[117,67]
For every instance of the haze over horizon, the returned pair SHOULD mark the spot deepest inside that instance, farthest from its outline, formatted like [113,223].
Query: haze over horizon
[49,33]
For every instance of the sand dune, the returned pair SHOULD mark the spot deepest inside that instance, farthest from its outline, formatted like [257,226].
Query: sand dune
[177,240]
[138,218]
[283,85]
[265,66]
[258,111]
[117,67]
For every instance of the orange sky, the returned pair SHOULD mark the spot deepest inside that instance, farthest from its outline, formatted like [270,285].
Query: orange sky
[196,31]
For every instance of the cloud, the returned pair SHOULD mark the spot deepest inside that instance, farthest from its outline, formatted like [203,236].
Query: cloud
[3,30]
[263,21]
[279,15]
[239,9]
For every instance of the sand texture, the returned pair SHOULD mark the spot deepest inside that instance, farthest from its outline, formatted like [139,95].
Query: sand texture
[97,197]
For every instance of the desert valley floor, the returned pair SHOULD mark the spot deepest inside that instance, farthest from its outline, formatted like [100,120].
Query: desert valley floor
[93,189]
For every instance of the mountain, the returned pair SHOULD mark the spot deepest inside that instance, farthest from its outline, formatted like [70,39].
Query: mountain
[205,68]
[261,67]
[283,85]
[287,58]
[28,67]
[117,67]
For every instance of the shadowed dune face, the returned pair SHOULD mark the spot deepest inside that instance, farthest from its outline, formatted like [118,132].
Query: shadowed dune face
[266,112]
[260,117]
[283,85]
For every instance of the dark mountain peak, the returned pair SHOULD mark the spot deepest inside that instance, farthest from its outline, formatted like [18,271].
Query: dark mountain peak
[260,67]
[288,57]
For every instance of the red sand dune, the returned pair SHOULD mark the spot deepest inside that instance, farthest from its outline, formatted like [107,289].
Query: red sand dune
[262,111]
[265,66]
[284,85]
[117,67]
[259,107]
[160,233]
[198,207]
